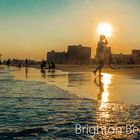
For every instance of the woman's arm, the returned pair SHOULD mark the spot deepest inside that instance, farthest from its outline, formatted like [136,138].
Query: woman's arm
[105,42]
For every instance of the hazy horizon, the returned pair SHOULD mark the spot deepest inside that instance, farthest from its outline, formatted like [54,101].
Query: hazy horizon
[30,28]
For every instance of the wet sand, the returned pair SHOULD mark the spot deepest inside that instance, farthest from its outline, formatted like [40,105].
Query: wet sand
[89,68]
[122,84]
[48,105]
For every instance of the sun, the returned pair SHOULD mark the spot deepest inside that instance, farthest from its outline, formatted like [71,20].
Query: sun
[104,29]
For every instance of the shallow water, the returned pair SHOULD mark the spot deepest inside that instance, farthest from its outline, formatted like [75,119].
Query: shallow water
[121,87]
[36,105]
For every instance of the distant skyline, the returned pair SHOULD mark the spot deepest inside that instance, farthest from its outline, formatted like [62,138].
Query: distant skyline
[30,28]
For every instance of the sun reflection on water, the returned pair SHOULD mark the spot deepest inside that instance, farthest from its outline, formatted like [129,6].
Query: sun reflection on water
[103,96]
[106,80]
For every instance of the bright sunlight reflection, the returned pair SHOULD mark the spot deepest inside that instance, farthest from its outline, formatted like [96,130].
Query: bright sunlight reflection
[106,81]
[104,29]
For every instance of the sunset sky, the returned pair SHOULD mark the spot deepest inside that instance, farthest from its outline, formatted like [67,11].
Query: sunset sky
[30,28]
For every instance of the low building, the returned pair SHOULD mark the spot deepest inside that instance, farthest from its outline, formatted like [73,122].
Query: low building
[122,58]
[78,54]
[136,56]
[56,57]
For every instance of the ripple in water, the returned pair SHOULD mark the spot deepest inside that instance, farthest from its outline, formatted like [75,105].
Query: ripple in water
[31,109]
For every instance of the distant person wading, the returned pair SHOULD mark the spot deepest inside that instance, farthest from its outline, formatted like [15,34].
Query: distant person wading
[100,54]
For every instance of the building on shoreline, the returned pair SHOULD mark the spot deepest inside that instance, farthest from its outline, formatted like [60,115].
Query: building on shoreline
[76,54]
[122,58]
[136,56]
[57,57]
[133,58]
[16,62]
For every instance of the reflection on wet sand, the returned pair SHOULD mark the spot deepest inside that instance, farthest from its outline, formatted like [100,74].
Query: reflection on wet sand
[113,115]
[103,84]
[75,79]
[121,89]
[26,72]
[43,73]
[31,104]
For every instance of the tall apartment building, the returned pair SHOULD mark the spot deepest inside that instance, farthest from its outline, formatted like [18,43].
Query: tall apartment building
[78,54]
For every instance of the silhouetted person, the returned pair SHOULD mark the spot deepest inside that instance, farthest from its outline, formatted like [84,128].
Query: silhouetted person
[8,62]
[43,64]
[26,63]
[52,65]
[100,54]
[49,65]
[43,72]
[19,65]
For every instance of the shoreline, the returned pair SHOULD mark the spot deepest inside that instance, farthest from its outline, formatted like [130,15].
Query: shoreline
[89,68]
[83,68]
[84,83]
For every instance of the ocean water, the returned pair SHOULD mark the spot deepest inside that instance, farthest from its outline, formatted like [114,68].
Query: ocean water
[33,107]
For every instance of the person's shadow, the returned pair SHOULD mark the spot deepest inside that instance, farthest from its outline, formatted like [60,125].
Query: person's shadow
[43,73]
[26,72]
[98,82]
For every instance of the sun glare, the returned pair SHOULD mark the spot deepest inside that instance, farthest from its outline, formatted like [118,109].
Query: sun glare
[104,29]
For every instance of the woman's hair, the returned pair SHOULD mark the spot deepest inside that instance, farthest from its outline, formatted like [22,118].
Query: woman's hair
[102,37]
